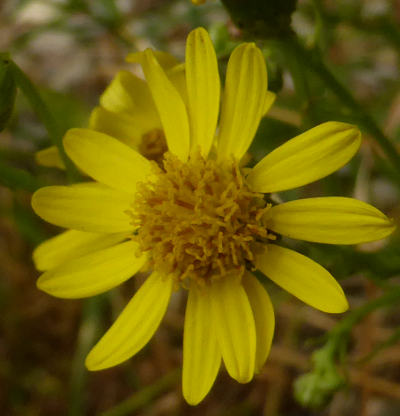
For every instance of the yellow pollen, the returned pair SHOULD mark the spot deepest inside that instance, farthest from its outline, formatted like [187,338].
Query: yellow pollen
[198,220]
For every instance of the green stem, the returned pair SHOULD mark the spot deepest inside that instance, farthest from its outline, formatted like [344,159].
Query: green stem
[144,396]
[312,60]
[44,114]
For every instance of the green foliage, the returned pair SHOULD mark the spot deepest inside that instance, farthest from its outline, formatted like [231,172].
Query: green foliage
[45,115]
[344,261]
[261,18]
[8,90]
[15,178]
[314,389]
[28,224]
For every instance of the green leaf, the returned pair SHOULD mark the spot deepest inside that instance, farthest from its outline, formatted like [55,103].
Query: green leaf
[27,223]
[8,90]
[316,388]
[45,115]
[15,178]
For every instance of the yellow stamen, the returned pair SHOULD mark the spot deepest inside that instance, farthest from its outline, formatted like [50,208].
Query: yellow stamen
[198,220]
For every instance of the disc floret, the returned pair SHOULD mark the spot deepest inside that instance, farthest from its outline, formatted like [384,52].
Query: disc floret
[198,220]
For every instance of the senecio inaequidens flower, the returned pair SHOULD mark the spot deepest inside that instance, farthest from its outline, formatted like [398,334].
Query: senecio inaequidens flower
[199,221]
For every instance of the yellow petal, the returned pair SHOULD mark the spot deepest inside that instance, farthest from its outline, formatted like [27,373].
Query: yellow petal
[234,323]
[177,76]
[303,278]
[49,157]
[86,207]
[134,327]
[243,101]
[174,69]
[170,106]
[332,220]
[269,100]
[93,273]
[203,87]
[107,160]
[130,95]
[201,354]
[264,317]
[306,158]
[71,244]
[118,125]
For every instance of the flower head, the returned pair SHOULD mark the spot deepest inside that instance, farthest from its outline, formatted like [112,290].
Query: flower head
[199,221]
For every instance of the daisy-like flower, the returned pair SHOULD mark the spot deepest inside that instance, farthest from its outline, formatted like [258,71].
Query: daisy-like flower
[128,113]
[201,223]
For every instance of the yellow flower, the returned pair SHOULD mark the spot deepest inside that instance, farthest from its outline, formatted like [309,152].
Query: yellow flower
[200,223]
[127,112]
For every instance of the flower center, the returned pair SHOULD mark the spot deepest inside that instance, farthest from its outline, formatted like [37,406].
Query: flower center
[198,220]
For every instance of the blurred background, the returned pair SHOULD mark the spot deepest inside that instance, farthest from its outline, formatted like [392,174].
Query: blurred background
[339,60]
